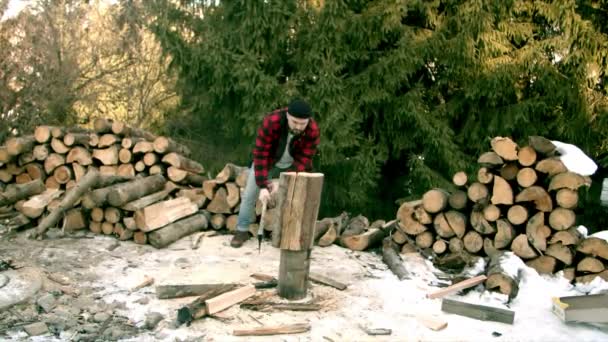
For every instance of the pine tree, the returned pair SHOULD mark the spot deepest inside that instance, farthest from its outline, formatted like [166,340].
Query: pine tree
[407,92]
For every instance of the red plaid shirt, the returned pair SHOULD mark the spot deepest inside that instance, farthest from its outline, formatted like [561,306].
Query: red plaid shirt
[270,145]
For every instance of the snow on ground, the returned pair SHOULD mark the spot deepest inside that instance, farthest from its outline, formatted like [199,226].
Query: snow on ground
[375,298]
[575,159]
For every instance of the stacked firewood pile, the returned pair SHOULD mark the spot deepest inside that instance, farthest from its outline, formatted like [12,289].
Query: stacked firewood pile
[141,186]
[522,199]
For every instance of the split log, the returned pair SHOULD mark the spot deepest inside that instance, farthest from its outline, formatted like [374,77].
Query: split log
[569,180]
[5,176]
[355,226]
[407,222]
[51,183]
[97,214]
[161,214]
[40,152]
[595,247]
[504,235]
[500,275]
[219,203]
[504,147]
[197,308]
[526,156]
[541,145]
[590,265]
[460,178]
[195,195]
[58,146]
[74,220]
[209,187]
[148,200]
[484,176]
[480,224]
[18,192]
[229,173]
[79,171]
[143,147]
[36,205]
[458,199]
[566,198]
[121,232]
[517,214]
[477,192]
[569,237]
[170,233]
[233,194]
[183,163]
[390,256]
[538,195]
[35,171]
[14,169]
[534,231]
[227,299]
[544,264]
[334,224]
[491,159]
[67,202]
[522,248]
[112,214]
[164,145]
[129,223]
[16,146]
[364,240]
[107,156]
[561,253]
[551,166]
[126,170]
[435,200]
[562,219]
[473,242]
[4,156]
[442,227]
[509,171]
[80,155]
[52,161]
[241,179]
[93,140]
[590,277]
[135,189]
[273,330]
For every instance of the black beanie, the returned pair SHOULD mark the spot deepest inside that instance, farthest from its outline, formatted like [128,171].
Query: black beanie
[300,109]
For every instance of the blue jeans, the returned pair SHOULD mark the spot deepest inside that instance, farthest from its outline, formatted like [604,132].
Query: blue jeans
[248,199]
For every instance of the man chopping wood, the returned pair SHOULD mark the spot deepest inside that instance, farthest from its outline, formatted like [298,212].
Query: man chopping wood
[287,140]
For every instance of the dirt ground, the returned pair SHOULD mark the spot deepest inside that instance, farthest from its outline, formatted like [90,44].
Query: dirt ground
[85,282]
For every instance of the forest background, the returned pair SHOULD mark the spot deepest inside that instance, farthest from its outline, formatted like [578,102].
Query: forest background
[406,92]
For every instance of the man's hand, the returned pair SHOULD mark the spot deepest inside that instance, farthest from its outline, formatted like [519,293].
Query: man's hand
[266,194]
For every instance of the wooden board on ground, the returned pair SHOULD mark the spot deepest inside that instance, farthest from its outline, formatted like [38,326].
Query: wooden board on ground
[589,309]
[481,312]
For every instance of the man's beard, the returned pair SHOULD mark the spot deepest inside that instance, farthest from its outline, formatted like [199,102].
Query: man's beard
[296,131]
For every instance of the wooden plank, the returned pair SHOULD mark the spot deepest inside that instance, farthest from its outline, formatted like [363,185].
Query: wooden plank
[457,287]
[319,278]
[273,330]
[481,312]
[432,322]
[178,291]
[228,299]
[589,309]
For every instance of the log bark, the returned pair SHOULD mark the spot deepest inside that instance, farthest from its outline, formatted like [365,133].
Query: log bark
[165,236]
[365,240]
[18,192]
[501,277]
[488,247]
[526,156]
[97,214]
[137,188]
[390,256]
[322,227]
[16,146]
[71,139]
[209,188]
[504,147]
[67,202]
[526,177]
[163,213]
[140,237]
[509,171]
[544,264]
[179,291]
[522,248]
[148,200]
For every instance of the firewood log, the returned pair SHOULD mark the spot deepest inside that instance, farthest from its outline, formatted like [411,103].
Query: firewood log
[561,218]
[74,220]
[459,178]
[538,195]
[566,198]
[184,177]
[79,171]
[561,253]
[504,235]
[590,265]
[5,157]
[422,215]
[534,228]
[93,140]
[425,239]
[125,155]
[504,147]
[241,179]
[107,156]
[5,176]
[442,227]
[228,173]
[324,225]
[195,195]
[484,175]
[80,155]
[108,170]
[456,245]
[517,214]
[480,224]
[143,147]
[15,193]
[488,247]
[129,142]
[140,237]
[522,248]
[35,170]
[544,264]
[140,166]
[97,214]
[595,247]
[569,237]
[150,199]
[435,200]
[490,159]
[526,156]
[23,178]
[51,183]
[58,146]
[107,228]
[36,205]
[167,235]
[157,169]
[473,242]
[126,170]
[183,163]
[407,222]
[569,180]
[509,171]
[219,203]
[71,139]
[541,145]
[62,174]
[17,145]
[163,213]
[439,247]
[477,192]
[151,158]
[218,221]
[590,277]
[102,125]
[52,161]
[135,189]
[400,237]
[491,212]
[164,145]
[122,233]
[458,199]
[25,158]
[390,256]
[501,277]
[551,166]
[40,152]
[129,223]
[124,130]
[526,177]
